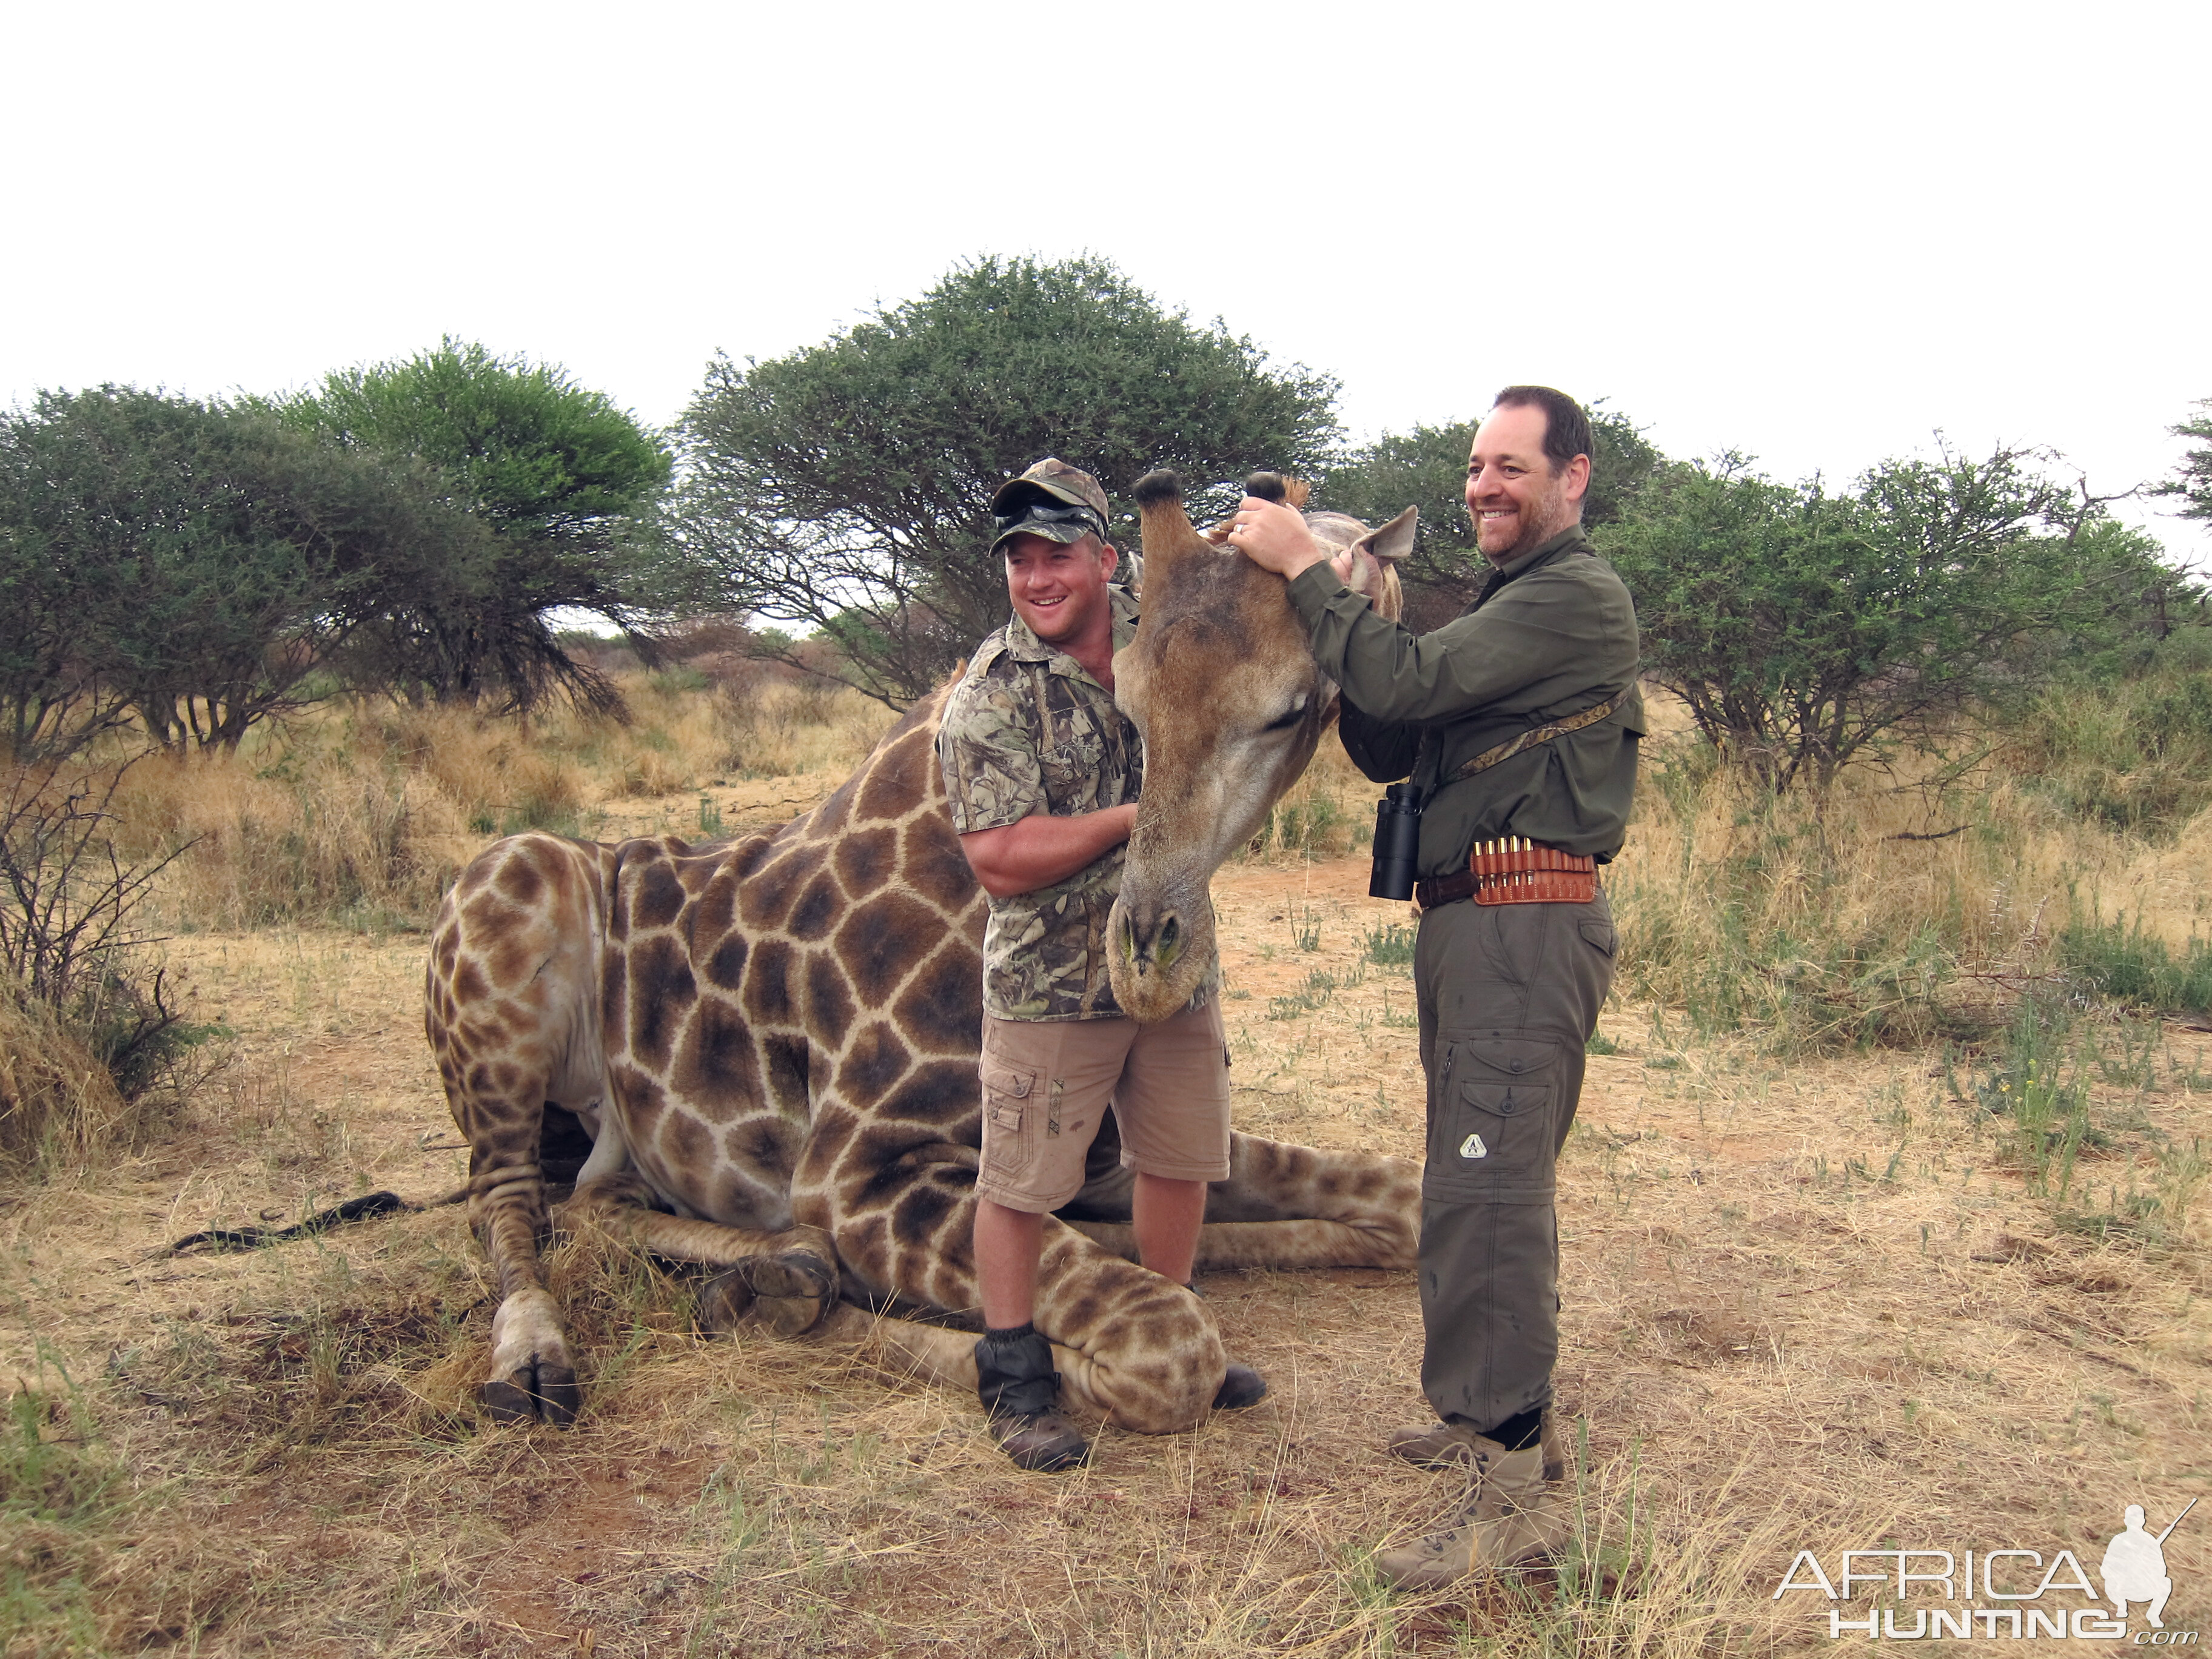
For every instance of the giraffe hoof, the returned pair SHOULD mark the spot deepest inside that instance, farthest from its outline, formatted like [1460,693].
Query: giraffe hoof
[792,1272]
[790,1294]
[795,1289]
[789,1315]
[535,1392]
[1241,1388]
[723,1301]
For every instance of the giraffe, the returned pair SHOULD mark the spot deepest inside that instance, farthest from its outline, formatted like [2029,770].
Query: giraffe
[770,1043]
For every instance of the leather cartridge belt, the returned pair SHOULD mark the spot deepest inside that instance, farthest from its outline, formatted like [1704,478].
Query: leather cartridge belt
[1515,871]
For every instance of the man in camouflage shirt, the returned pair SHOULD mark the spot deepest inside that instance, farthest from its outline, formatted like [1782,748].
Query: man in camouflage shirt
[1043,772]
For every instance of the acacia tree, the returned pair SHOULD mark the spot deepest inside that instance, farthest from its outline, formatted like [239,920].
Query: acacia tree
[191,563]
[1801,627]
[1426,468]
[846,487]
[60,506]
[2192,479]
[563,479]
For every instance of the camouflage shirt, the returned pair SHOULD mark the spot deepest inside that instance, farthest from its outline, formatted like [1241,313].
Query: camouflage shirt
[1029,731]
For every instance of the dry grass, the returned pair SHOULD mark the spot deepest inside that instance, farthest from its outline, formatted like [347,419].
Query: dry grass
[1808,1306]
[363,815]
[1911,905]
[1812,1300]
[58,1104]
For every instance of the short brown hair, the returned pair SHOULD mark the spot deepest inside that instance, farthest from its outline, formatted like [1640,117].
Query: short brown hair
[1567,428]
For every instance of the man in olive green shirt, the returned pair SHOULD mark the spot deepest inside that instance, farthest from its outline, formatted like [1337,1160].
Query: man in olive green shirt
[1518,723]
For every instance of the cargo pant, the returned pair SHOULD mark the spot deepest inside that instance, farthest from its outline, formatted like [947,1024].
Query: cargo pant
[1508,994]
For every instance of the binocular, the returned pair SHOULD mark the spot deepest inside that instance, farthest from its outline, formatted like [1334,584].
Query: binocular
[1397,843]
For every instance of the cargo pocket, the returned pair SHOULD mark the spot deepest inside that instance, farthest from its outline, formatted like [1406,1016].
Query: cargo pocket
[1010,1121]
[1493,1135]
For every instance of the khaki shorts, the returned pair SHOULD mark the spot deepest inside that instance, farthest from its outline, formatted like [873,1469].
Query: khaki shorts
[1047,1084]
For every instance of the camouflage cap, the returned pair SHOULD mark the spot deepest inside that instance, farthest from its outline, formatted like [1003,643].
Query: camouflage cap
[1053,499]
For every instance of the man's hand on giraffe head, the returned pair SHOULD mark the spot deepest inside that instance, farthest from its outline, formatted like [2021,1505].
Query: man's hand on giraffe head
[1273,537]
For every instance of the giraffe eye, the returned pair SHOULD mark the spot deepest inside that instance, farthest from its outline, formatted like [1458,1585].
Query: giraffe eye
[1290,716]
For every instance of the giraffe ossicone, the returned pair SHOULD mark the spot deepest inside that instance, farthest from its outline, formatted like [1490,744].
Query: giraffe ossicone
[771,1042]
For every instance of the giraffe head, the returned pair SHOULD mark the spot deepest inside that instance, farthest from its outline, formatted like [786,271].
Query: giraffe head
[1219,682]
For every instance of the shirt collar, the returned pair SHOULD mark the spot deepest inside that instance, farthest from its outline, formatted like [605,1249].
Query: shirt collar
[1023,646]
[1558,544]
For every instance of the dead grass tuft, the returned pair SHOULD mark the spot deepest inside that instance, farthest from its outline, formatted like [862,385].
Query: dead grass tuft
[58,1104]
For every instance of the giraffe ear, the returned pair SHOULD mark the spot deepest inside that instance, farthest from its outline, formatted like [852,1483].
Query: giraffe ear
[1169,537]
[1370,565]
[1392,541]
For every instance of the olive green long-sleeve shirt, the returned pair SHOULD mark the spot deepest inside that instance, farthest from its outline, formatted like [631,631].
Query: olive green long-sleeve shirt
[1552,634]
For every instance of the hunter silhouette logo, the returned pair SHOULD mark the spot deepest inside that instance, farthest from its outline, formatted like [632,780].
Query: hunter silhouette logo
[2134,1568]
[2021,1594]
[1473,1147]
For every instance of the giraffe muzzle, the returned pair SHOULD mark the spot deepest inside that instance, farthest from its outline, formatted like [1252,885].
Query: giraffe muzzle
[1149,947]
[1157,954]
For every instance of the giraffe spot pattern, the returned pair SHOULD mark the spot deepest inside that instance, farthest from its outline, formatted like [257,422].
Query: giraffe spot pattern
[816,909]
[874,1060]
[937,1009]
[715,1066]
[882,941]
[661,989]
[865,859]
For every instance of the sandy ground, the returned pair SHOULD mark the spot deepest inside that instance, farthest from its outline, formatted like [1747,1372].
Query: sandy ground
[1806,1307]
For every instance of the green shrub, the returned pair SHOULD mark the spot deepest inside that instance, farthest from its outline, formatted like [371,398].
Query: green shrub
[2035,1083]
[62,1495]
[684,679]
[1314,827]
[2120,961]
[1390,943]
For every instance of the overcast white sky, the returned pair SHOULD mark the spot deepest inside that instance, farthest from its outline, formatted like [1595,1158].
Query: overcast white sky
[1814,233]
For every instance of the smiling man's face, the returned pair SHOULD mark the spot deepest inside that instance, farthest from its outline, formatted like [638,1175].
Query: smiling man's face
[1059,588]
[1517,500]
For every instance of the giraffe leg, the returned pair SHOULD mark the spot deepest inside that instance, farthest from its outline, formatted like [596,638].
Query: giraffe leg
[1137,1348]
[532,1377]
[510,993]
[904,1347]
[1283,1207]
[787,1279]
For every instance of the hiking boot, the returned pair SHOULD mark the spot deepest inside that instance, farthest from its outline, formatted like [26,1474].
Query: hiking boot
[1020,1392]
[1438,1446]
[1451,1446]
[1512,1518]
[1043,1441]
[1241,1387]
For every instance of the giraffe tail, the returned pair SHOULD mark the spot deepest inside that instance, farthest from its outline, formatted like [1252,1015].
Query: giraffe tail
[366,1207]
